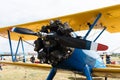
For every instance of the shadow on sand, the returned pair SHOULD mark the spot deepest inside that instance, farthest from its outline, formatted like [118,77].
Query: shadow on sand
[83,78]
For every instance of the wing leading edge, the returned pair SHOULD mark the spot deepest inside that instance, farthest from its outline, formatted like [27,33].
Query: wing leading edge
[112,72]
[79,21]
[40,66]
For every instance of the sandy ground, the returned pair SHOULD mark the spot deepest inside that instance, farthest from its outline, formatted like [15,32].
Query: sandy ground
[24,73]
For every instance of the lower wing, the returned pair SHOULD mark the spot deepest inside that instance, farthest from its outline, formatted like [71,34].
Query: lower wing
[112,71]
[40,66]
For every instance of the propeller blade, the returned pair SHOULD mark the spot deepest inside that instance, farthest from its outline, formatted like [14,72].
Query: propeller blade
[81,44]
[66,41]
[23,31]
[102,47]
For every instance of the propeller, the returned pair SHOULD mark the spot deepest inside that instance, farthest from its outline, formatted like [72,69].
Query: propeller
[23,31]
[81,43]
[66,41]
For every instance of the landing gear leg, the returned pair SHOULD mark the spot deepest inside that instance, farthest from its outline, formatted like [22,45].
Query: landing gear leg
[105,78]
[52,74]
[87,72]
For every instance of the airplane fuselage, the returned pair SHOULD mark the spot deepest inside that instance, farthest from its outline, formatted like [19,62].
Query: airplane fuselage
[81,61]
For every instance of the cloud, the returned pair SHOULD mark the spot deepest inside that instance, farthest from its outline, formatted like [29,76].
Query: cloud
[14,12]
[21,11]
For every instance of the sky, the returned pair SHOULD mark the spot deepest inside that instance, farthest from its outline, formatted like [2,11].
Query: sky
[14,12]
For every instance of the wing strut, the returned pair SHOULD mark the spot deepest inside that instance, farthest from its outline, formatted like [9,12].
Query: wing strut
[28,43]
[10,43]
[92,26]
[100,33]
[24,57]
[17,48]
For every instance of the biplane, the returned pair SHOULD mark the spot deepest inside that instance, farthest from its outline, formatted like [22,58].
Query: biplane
[66,49]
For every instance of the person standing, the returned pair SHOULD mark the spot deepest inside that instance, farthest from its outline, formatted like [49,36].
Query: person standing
[0,66]
[32,59]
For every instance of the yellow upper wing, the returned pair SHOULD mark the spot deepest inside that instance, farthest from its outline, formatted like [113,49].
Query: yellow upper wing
[110,18]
